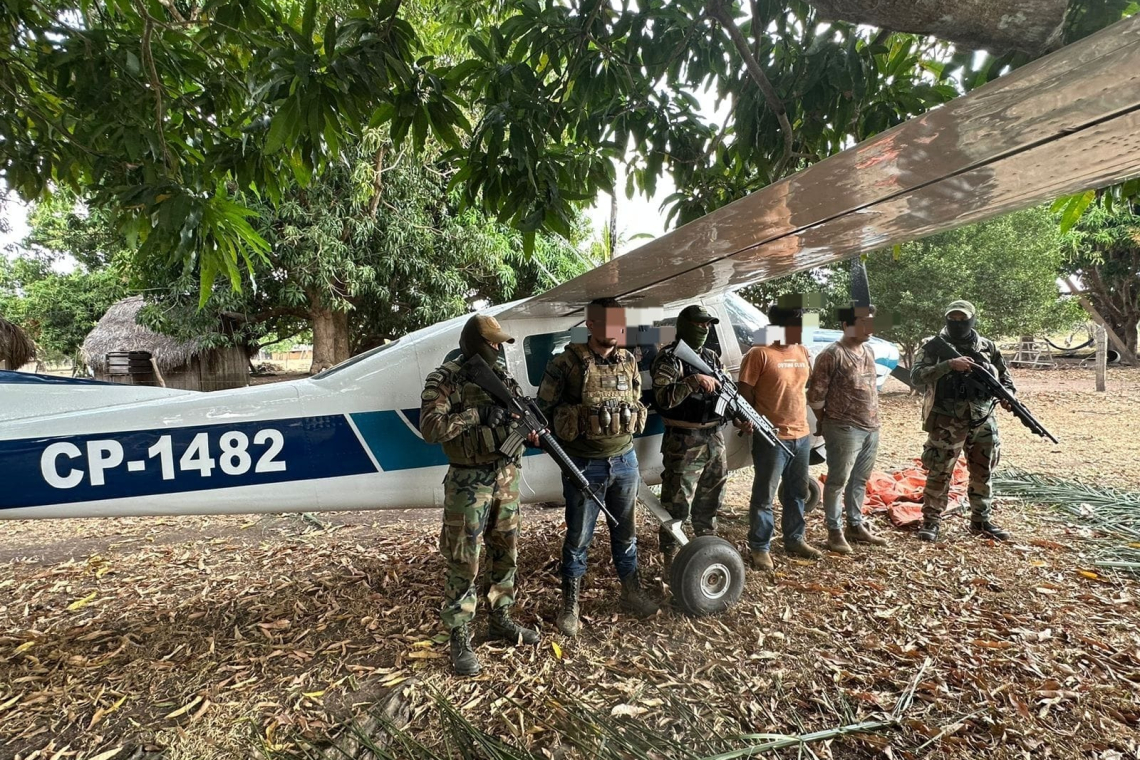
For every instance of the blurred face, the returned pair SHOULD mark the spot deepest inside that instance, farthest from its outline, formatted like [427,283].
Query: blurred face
[957,316]
[863,327]
[607,326]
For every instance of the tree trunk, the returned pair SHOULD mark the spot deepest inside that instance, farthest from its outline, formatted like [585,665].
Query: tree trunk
[1031,26]
[330,339]
[1129,330]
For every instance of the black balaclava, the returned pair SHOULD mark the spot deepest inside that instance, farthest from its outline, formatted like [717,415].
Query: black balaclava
[960,330]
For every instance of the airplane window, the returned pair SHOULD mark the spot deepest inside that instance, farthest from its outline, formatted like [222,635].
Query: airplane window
[539,350]
[358,358]
[747,321]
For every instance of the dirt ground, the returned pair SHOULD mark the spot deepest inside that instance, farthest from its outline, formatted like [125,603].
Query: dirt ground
[218,637]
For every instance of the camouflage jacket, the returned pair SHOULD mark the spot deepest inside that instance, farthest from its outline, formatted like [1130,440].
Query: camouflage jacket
[449,415]
[952,393]
[676,393]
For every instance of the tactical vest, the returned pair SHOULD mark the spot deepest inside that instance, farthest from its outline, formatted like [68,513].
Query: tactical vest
[610,406]
[478,444]
[960,386]
[698,407]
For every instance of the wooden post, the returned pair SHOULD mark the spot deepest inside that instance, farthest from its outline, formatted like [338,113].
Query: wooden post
[1101,358]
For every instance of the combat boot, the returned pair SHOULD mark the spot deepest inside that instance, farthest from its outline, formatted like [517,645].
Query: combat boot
[836,542]
[762,560]
[929,531]
[567,620]
[989,530]
[667,556]
[859,534]
[634,600]
[502,627]
[800,548]
[463,658]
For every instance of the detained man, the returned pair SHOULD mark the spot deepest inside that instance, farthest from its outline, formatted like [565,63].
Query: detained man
[845,400]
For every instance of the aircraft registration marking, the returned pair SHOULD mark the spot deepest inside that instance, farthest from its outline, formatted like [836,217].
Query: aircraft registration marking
[234,457]
[126,464]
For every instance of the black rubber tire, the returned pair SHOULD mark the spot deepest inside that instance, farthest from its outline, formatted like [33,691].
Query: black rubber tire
[814,495]
[707,577]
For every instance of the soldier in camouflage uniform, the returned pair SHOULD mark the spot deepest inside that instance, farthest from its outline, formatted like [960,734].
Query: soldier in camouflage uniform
[692,449]
[958,414]
[591,392]
[481,495]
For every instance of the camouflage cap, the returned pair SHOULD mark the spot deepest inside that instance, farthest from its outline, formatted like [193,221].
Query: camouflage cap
[697,313]
[490,330]
[965,307]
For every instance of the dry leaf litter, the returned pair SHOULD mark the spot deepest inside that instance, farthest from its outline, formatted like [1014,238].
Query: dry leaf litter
[220,637]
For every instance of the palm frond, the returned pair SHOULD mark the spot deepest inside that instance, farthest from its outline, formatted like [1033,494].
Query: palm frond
[1111,516]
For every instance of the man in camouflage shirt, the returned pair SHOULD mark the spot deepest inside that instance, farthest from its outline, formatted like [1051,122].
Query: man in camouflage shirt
[692,449]
[591,393]
[958,414]
[481,495]
[843,394]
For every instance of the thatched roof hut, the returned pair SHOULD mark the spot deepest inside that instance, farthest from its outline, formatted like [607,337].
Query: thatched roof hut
[16,348]
[182,364]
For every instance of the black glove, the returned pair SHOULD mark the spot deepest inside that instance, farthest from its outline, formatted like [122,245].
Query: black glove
[492,416]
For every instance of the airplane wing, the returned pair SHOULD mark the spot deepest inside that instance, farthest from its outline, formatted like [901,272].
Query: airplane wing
[1065,123]
[27,395]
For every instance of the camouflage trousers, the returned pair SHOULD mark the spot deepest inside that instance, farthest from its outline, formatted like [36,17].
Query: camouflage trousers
[695,474]
[479,503]
[947,438]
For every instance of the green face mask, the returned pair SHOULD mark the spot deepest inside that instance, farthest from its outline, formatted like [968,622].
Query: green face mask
[693,333]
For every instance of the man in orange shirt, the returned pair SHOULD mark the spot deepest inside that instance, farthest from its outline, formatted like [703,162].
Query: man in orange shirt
[773,379]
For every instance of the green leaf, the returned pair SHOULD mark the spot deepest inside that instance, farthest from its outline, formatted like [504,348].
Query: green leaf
[480,48]
[283,126]
[330,37]
[1075,208]
[309,20]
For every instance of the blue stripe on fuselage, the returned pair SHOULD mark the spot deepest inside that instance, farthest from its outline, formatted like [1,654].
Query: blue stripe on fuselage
[396,446]
[310,448]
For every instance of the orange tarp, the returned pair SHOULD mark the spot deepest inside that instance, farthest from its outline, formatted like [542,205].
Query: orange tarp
[899,494]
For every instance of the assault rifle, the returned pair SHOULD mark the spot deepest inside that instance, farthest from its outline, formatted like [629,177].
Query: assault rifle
[999,391]
[729,398]
[526,418]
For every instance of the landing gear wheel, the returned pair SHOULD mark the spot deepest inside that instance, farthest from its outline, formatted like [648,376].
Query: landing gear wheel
[707,577]
[815,495]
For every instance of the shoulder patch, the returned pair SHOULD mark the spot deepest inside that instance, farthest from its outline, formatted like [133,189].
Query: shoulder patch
[429,394]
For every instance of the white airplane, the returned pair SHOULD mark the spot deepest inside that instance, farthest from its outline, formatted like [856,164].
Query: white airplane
[348,437]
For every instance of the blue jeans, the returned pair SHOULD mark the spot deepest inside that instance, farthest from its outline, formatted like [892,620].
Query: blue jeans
[772,464]
[615,480]
[850,456]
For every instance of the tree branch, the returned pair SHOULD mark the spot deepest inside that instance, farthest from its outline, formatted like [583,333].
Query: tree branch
[718,11]
[155,83]
[377,182]
[262,316]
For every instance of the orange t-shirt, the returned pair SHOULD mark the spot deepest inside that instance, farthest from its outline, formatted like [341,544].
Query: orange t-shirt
[778,376]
